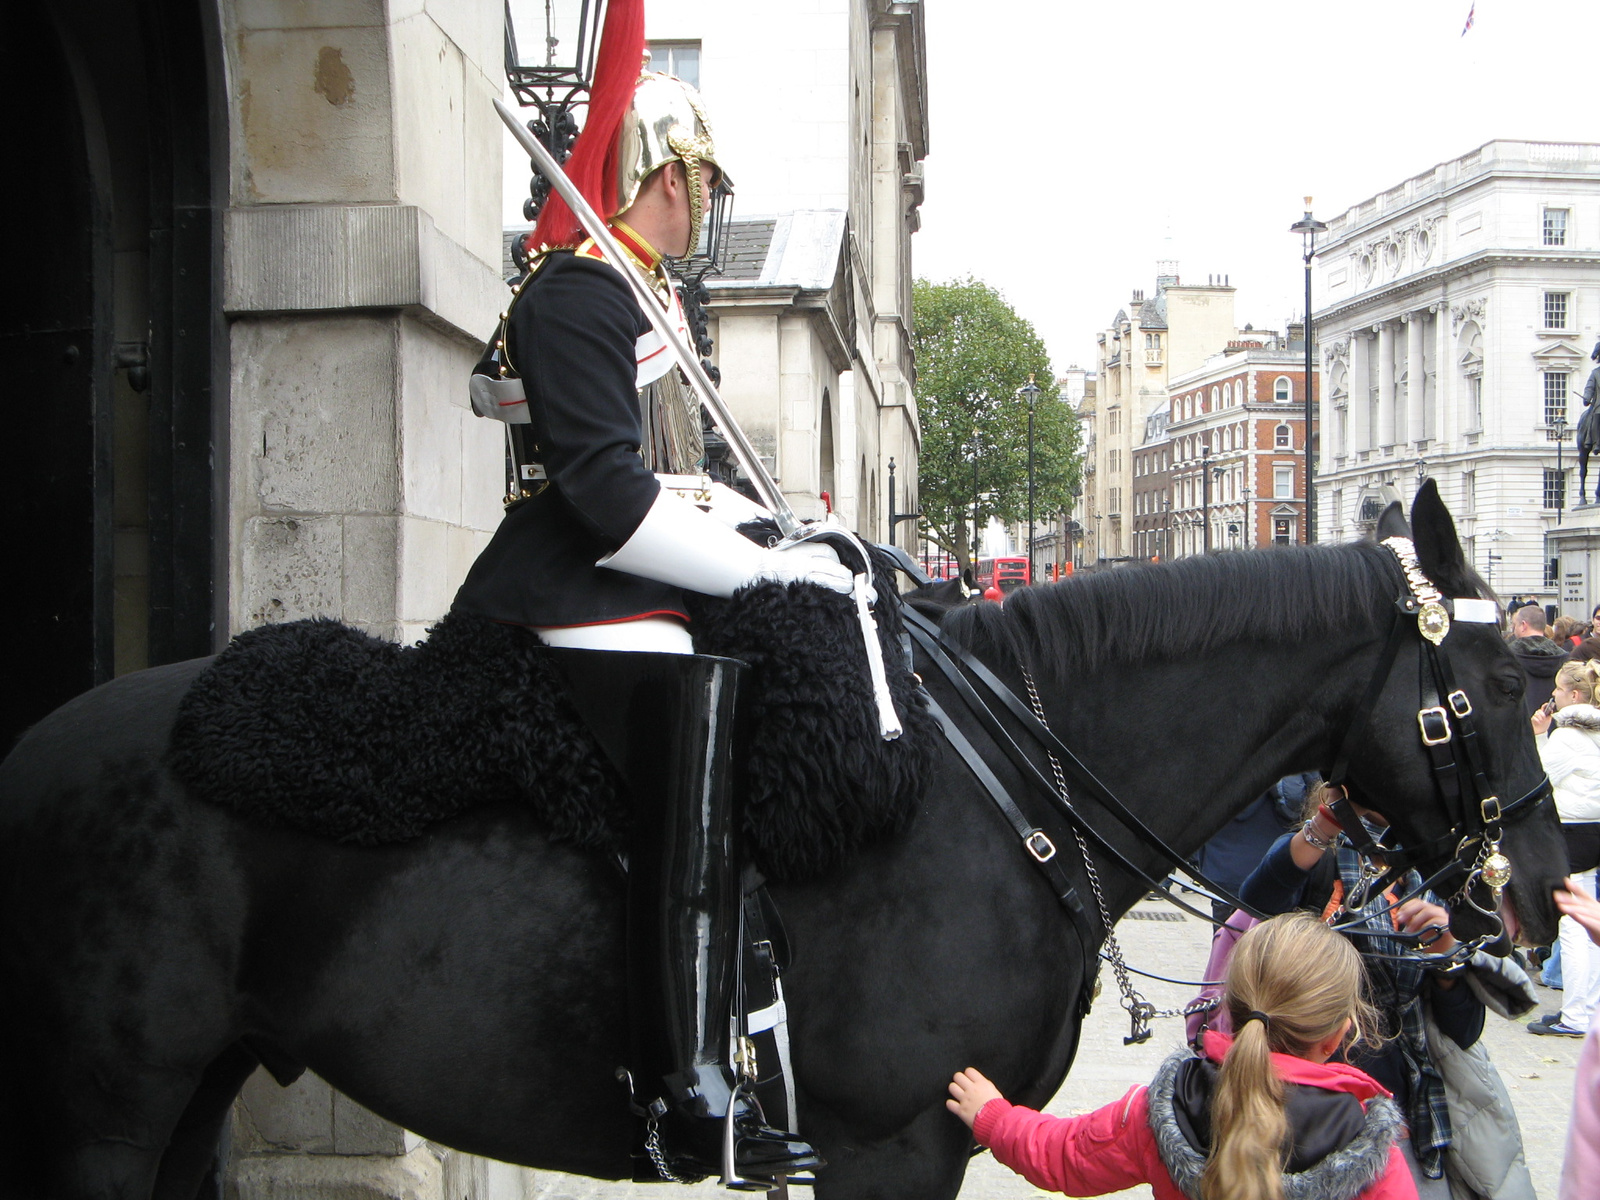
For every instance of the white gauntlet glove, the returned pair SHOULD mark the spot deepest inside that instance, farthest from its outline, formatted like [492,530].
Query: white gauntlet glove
[678,544]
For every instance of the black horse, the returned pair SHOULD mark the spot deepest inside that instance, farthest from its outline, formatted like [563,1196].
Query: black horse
[468,984]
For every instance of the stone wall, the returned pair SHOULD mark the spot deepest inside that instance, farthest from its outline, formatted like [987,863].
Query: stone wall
[361,251]
[308,1142]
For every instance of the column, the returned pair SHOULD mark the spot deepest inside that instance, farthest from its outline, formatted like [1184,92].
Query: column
[1385,431]
[1362,435]
[1445,423]
[1416,380]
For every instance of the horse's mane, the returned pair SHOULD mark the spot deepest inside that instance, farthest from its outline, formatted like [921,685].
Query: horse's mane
[1185,608]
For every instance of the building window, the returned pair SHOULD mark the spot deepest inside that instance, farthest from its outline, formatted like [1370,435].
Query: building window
[1283,483]
[1555,227]
[1114,422]
[1216,399]
[1555,396]
[1113,461]
[1282,390]
[1555,488]
[1114,501]
[1474,403]
[1469,491]
[677,58]
[1281,438]
[1282,531]
[1555,310]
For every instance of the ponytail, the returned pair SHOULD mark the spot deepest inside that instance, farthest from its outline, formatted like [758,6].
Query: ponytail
[1292,984]
[1248,1124]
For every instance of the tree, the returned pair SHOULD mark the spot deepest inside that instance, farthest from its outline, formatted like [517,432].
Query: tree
[974,354]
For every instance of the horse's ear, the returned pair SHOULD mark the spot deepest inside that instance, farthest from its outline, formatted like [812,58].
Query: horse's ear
[969,586]
[1438,549]
[1393,522]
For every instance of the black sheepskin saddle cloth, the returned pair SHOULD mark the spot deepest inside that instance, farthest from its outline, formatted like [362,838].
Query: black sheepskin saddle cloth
[318,726]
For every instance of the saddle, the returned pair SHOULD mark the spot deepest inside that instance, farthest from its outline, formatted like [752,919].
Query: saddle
[323,728]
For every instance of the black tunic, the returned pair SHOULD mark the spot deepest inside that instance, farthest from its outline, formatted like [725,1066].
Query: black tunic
[571,336]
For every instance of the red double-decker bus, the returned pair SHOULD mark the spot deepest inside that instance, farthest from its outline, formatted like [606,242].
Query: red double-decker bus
[1007,574]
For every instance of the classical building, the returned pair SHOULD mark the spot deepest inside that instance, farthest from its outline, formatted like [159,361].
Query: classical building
[1237,442]
[1458,311]
[812,318]
[1152,490]
[1170,333]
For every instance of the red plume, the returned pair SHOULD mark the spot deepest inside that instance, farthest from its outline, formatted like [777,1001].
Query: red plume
[593,165]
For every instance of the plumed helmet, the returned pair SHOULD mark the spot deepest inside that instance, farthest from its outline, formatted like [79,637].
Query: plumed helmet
[666,123]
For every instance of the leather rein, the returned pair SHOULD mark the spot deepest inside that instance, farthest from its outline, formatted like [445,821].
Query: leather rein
[1444,722]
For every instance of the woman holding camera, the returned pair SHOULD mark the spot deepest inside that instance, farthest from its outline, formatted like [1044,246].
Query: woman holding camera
[1571,757]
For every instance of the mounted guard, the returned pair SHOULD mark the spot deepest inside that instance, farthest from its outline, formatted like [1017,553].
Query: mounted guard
[594,555]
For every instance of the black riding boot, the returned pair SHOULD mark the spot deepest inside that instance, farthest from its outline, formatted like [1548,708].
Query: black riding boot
[666,721]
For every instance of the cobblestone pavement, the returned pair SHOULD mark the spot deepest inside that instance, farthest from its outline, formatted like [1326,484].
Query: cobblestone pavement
[1538,1070]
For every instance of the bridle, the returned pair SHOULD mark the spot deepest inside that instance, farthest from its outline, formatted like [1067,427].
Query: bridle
[1446,729]
[1449,737]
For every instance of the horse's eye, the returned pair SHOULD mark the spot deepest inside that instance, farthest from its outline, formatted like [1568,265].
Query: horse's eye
[1509,686]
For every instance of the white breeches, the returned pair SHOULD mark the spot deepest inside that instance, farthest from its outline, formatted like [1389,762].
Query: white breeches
[648,635]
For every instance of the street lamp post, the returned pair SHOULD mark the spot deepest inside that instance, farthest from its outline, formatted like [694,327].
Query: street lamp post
[1205,492]
[1249,518]
[1561,469]
[1308,227]
[1030,393]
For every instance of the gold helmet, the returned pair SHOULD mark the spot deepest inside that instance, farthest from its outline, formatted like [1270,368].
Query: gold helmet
[667,123]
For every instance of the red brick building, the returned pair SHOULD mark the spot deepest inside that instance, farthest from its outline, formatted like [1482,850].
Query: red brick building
[1237,434]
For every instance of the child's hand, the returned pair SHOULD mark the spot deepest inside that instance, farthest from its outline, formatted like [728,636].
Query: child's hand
[1583,908]
[970,1092]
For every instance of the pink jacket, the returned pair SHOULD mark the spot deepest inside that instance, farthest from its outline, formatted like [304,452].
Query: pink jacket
[1114,1147]
[1583,1135]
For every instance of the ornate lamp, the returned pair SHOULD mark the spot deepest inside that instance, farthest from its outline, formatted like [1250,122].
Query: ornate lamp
[550,53]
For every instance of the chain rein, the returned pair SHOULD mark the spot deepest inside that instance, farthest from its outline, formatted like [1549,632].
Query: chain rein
[1140,1011]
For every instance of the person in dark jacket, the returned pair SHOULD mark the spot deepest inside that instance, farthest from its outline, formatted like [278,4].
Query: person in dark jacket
[1299,872]
[1235,849]
[1537,655]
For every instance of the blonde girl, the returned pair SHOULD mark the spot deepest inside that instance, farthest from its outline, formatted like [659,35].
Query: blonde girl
[1567,730]
[1240,1121]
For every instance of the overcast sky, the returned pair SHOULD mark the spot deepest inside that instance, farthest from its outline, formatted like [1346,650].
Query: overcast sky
[1074,144]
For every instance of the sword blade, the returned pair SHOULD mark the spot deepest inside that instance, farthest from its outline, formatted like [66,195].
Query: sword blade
[743,452]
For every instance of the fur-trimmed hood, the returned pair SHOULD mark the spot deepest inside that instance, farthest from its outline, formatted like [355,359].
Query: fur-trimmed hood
[1539,656]
[1359,1158]
[1585,717]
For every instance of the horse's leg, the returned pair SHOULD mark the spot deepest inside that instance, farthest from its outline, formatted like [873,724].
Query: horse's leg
[924,1161]
[192,1149]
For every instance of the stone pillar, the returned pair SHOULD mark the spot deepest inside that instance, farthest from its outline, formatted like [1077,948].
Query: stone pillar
[1362,435]
[361,273]
[1444,424]
[1385,432]
[1416,380]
